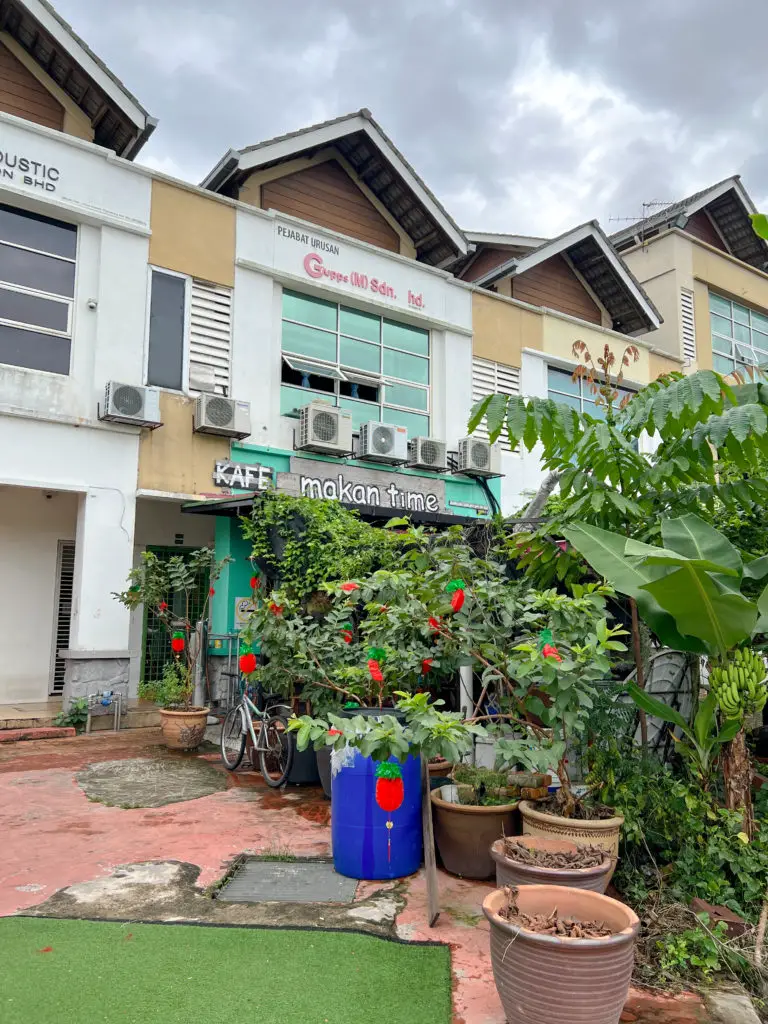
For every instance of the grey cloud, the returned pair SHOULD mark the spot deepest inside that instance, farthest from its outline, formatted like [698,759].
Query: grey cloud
[671,90]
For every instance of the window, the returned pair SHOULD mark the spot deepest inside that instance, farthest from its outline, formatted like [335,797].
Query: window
[378,369]
[37,287]
[491,378]
[577,393]
[739,336]
[182,308]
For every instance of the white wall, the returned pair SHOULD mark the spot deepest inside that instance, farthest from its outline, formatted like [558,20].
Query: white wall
[31,525]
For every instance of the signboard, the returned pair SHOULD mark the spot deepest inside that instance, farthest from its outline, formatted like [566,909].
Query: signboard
[358,271]
[358,485]
[242,476]
[244,608]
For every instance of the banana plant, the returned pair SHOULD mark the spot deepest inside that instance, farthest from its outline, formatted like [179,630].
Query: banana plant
[703,740]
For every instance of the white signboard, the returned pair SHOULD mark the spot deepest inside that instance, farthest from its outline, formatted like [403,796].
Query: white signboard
[358,485]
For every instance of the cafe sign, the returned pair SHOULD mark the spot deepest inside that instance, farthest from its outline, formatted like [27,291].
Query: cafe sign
[242,476]
[358,485]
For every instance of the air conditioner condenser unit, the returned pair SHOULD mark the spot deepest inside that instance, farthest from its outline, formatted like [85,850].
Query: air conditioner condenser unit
[427,453]
[225,417]
[131,403]
[324,429]
[478,458]
[383,442]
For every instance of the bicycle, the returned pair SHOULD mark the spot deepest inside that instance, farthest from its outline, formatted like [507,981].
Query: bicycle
[273,743]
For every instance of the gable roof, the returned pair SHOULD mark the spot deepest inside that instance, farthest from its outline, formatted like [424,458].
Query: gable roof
[379,164]
[603,269]
[120,122]
[728,205]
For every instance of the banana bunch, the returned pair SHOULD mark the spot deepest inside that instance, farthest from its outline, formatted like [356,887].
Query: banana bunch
[739,684]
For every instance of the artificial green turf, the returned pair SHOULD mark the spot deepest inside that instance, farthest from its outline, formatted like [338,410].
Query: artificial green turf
[106,972]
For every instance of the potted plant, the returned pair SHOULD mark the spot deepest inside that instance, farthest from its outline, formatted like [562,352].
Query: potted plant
[151,584]
[471,815]
[560,954]
[535,860]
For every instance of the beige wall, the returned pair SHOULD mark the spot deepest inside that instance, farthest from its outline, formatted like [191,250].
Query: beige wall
[658,364]
[75,121]
[501,330]
[559,337]
[192,234]
[174,459]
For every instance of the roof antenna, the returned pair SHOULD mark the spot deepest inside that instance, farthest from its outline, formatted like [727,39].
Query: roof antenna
[647,207]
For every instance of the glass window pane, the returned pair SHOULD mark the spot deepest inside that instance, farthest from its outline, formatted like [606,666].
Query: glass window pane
[719,305]
[405,367]
[722,365]
[360,354]
[417,426]
[573,400]
[722,344]
[309,310]
[294,398]
[402,394]
[760,341]
[741,333]
[760,322]
[308,342]
[359,325]
[721,325]
[562,380]
[34,351]
[414,339]
[740,313]
[31,270]
[166,331]
[362,412]
[37,232]
[33,309]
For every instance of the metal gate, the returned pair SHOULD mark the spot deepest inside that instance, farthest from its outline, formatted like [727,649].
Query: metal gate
[157,645]
[65,579]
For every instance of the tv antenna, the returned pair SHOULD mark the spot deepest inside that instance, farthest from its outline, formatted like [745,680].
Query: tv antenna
[651,204]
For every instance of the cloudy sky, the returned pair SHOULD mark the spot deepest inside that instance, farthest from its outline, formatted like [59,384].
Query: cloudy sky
[524,116]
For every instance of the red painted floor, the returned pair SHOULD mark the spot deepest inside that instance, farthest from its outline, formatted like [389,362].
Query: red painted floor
[53,836]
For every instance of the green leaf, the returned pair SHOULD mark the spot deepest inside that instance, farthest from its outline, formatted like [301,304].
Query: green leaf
[759,224]
[495,413]
[757,569]
[691,536]
[701,610]
[728,731]
[704,720]
[657,708]
[478,412]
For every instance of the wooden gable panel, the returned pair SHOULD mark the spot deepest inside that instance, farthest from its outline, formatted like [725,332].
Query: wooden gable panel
[487,259]
[700,226]
[21,93]
[554,284]
[327,196]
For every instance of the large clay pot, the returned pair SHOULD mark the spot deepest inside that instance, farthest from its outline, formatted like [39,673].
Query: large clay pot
[548,979]
[183,730]
[593,831]
[464,833]
[512,872]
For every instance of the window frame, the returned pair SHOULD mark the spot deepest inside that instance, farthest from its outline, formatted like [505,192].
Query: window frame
[186,328]
[378,378]
[621,388]
[66,300]
[739,363]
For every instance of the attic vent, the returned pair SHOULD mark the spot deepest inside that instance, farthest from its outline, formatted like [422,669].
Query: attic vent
[491,378]
[687,325]
[210,333]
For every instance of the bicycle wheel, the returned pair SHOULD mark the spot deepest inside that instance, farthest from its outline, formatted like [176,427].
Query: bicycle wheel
[233,736]
[276,750]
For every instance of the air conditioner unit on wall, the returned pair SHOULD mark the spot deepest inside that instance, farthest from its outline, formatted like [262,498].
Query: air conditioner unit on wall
[383,442]
[223,416]
[428,453]
[324,429]
[478,458]
[131,403]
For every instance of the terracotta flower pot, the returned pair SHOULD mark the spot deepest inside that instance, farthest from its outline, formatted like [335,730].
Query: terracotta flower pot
[464,833]
[440,768]
[512,872]
[183,730]
[549,979]
[594,831]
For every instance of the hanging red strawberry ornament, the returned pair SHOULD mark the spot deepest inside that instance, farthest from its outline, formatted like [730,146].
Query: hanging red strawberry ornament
[163,606]
[426,665]
[247,661]
[346,633]
[456,589]
[376,655]
[177,641]
[434,624]
[389,794]
[549,651]
[348,588]
[255,582]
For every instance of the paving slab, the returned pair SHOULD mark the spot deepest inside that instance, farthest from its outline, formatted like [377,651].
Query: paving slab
[294,881]
[150,782]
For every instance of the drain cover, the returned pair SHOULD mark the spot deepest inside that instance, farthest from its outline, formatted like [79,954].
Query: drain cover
[268,881]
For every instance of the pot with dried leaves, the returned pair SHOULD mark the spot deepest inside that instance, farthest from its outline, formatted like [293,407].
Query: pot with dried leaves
[560,954]
[539,820]
[532,860]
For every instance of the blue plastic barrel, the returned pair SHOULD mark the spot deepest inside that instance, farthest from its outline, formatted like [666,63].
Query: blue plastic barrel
[363,846]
